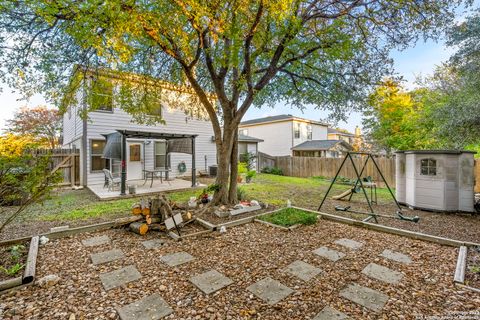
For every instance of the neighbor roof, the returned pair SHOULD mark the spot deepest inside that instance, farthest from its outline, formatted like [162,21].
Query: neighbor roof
[320,145]
[332,130]
[244,138]
[278,118]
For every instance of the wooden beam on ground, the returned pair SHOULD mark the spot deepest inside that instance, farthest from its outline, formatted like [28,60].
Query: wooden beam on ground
[461,265]
[31,264]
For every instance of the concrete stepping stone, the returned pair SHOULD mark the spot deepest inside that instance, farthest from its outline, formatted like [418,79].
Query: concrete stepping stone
[211,281]
[119,277]
[382,273]
[328,313]
[96,241]
[302,270]
[396,256]
[269,290]
[176,259]
[149,308]
[349,243]
[153,244]
[330,254]
[106,256]
[366,297]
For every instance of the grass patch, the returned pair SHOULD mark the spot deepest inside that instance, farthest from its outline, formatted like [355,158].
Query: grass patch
[290,216]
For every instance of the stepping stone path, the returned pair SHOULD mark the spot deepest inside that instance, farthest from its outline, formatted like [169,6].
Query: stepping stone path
[330,254]
[153,244]
[349,243]
[119,277]
[269,290]
[302,270]
[328,313]
[366,297]
[396,256]
[149,308]
[176,259]
[106,256]
[211,281]
[382,273]
[96,241]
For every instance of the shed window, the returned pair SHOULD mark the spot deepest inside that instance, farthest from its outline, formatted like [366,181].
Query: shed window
[428,167]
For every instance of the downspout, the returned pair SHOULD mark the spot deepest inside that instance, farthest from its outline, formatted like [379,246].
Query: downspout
[124,165]
[194,173]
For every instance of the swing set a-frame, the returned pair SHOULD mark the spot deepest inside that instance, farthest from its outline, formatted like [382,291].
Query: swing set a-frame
[359,185]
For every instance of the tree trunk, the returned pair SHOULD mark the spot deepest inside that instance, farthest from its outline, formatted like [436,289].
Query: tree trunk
[232,192]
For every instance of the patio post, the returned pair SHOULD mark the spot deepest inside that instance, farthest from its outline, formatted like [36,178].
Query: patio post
[124,165]
[194,173]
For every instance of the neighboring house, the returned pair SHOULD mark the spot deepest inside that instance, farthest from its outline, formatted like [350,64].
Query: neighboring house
[322,148]
[89,136]
[336,134]
[281,133]
[250,145]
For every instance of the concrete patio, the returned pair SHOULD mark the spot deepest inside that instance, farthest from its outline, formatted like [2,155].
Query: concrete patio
[142,188]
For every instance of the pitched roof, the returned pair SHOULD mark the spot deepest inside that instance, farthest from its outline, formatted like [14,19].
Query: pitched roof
[332,130]
[280,117]
[320,145]
[244,138]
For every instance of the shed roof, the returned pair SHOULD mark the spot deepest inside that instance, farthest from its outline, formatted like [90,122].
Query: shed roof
[437,151]
[320,145]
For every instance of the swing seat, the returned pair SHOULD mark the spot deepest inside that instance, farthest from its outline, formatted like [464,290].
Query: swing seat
[340,208]
[412,219]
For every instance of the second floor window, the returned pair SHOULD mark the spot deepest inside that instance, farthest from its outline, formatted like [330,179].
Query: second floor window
[243,132]
[296,130]
[102,95]
[309,132]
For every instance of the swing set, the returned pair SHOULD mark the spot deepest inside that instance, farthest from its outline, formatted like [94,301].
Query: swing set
[360,185]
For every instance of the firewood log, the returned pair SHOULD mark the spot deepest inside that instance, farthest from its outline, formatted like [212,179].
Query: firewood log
[139,228]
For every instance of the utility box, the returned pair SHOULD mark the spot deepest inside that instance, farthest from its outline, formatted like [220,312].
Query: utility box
[437,180]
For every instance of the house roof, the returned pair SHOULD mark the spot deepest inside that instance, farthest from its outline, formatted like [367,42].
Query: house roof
[320,145]
[278,118]
[244,138]
[332,130]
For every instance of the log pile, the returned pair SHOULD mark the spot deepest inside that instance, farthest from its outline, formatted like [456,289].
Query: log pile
[154,211]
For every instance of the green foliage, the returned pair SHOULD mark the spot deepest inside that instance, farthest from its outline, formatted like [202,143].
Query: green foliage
[16,251]
[241,194]
[13,270]
[290,216]
[249,159]
[273,170]
[242,168]
[250,175]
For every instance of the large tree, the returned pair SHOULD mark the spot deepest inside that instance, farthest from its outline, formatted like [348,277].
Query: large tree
[41,123]
[246,52]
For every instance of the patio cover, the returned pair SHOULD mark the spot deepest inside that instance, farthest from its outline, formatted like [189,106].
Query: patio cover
[180,145]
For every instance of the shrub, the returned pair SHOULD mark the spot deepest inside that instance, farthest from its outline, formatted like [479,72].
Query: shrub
[241,194]
[250,175]
[242,168]
[273,170]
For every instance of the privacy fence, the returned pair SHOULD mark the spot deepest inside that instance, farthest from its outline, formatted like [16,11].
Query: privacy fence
[67,161]
[327,167]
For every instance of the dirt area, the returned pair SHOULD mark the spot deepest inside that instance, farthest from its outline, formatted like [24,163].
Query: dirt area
[12,260]
[245,254]
[209,216]
[472,275]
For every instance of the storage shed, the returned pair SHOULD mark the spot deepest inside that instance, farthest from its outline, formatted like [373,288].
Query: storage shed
[438,180]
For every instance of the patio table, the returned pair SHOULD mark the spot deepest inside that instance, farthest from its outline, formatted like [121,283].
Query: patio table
[151,174]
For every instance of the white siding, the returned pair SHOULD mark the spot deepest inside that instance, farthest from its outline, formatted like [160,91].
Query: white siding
[319,132]
[73,123]
[277,136]
[176,122]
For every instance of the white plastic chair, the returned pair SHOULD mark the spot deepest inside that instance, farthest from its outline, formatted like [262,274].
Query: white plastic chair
[110,181]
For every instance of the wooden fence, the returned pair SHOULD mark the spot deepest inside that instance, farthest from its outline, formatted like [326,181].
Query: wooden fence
[328,167]
[65,160]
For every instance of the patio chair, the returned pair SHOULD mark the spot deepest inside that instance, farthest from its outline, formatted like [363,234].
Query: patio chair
[110,181]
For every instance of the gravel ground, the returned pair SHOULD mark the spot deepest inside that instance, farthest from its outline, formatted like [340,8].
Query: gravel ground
[457,226]
[246,254]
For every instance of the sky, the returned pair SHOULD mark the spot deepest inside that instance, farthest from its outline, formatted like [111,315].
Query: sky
[419,59]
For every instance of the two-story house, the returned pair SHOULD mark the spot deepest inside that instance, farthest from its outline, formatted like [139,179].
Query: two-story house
[283,132]
[146,147]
